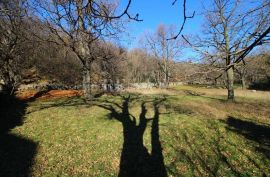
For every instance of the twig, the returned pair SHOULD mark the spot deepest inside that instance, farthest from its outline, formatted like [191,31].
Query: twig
[184,21]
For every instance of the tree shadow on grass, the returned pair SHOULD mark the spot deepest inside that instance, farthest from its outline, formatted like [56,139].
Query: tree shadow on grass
[136,161]
[252,131]
[195,160]
[16,153]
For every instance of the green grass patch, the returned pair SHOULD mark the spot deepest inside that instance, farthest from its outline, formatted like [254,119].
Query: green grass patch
[198,135]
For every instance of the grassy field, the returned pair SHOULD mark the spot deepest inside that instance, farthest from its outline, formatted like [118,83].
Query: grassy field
[183,131]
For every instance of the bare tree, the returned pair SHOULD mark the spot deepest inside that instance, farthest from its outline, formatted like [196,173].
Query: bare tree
[165,51]
[78,24]
[110,68]
[13,41]
[258,71]
[56,64]
[233,28]
[141,67]
[241,70]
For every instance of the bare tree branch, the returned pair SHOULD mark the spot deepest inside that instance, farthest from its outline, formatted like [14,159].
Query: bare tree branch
[185,17]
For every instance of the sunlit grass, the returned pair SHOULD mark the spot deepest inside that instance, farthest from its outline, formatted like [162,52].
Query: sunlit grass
[79,139]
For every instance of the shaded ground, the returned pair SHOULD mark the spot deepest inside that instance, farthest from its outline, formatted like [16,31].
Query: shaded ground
[16,152]
[252,131]
[135,159]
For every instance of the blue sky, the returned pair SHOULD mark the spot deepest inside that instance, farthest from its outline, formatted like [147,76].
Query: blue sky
[155,12]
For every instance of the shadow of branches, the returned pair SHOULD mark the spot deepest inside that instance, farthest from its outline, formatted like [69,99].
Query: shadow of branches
[199,156]
[206,148]
[252,131]
[135,158]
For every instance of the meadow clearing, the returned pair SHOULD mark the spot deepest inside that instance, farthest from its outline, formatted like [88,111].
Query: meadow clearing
[182,131]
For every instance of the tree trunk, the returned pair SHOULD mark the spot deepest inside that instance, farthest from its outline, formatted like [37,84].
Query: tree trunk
[243,82]
[167,82]
[10,77]
[215,83]
[166,74]
[159,78]
[87,80]
[230,88]
[243,74]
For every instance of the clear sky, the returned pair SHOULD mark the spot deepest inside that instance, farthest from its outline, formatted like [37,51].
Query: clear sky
[155,12]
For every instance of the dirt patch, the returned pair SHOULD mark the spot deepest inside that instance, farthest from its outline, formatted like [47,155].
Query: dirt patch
[29,94]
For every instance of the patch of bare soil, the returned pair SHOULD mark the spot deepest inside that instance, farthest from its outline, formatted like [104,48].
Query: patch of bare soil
[34,94]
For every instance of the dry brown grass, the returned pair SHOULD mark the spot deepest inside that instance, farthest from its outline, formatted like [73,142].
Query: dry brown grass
[153,91]
[262,95]
[255,94]
[211,103]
